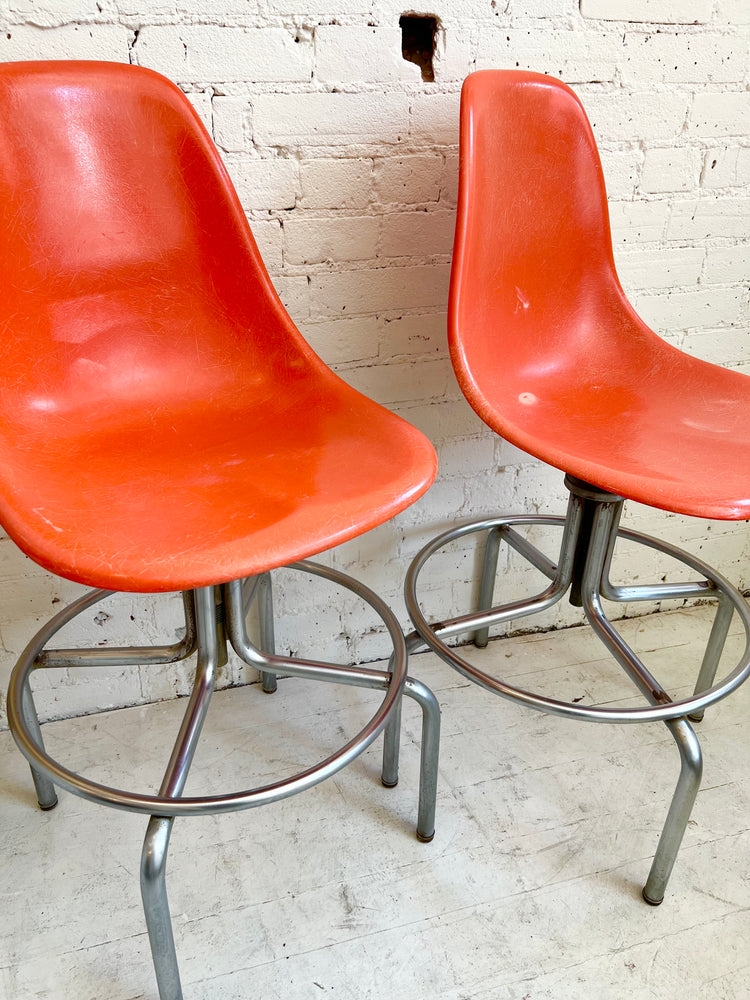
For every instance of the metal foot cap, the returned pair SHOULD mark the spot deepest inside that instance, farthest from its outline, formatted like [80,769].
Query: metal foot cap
[651,902]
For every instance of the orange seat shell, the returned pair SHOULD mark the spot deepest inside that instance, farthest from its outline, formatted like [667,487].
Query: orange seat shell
[546,346]
[163,424]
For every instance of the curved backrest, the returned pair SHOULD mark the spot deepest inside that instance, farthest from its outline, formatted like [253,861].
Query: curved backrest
[534,292]
[129,272]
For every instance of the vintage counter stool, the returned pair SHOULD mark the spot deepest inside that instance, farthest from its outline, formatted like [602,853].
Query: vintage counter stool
[551,355]
[164,426]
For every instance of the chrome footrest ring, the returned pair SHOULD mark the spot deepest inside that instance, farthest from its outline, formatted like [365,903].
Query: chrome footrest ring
[392,682]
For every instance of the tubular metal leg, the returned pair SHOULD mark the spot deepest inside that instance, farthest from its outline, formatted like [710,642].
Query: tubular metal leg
[487,585]
[156,844]
[428,772]
[156,907]
[265,626]
[714,649]
[428,765]
[676,822]
[392,747]
[605,520]
[392,731]
[45,789]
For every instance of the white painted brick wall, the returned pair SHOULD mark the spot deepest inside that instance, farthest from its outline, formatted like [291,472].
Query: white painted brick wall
[336,184]
[346,163]
[408,180]
[719,113]
[210,54]
[232,123]
[666,170]
[726,167]
[330,119]
[658,11]
[354,55]
[324,240]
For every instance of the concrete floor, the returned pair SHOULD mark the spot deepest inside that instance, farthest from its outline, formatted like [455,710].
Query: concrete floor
[529,891]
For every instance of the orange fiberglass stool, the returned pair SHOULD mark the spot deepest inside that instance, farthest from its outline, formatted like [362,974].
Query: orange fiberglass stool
[551,355]
[166,428]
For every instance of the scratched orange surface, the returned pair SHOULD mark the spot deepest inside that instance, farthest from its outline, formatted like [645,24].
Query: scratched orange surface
[545,344]
[163,425]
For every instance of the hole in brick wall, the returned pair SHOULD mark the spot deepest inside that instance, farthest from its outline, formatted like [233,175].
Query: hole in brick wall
[418,37]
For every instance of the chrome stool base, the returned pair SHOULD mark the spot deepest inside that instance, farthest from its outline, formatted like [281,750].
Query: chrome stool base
[589,533]
[215,616]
